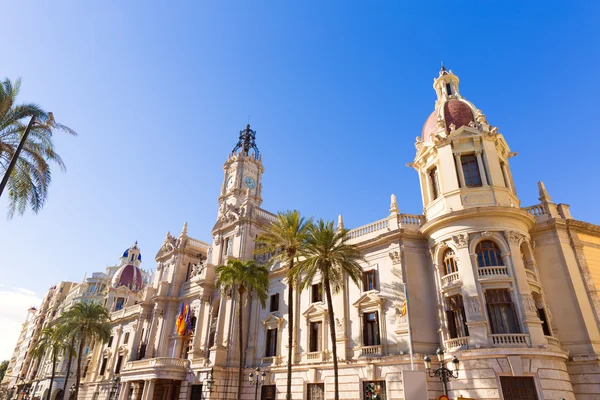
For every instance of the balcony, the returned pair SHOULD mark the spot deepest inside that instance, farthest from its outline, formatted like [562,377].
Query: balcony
[552,341]
[450,280]
[510,340]
[314,357]
[156,368]
[488,272]
[371,351]
[457,343]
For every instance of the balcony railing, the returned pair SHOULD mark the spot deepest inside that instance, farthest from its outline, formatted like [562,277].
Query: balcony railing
[315,356]
[370,351]
[450,279]
[492,271]
[157,363]
[537,211]
[457,343]
[510,339]
[552,341]
[364,230]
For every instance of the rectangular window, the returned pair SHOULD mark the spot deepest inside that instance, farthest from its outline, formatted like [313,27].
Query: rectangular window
[455,312]
[268,392]
[120,303]
[316,391]
[435,183]
[501,312]
[271,350]
[103,365]
[369,281]
[126,338]
[274,303]
[110,340]
[374,390]
[196,392]
[542,315]
[118,366]
[448,89]
[188,274]
[471,170]
[315,336]
[518,388]
[371,329]
[317,292]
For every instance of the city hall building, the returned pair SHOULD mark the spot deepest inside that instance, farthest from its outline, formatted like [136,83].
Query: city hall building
[509,289]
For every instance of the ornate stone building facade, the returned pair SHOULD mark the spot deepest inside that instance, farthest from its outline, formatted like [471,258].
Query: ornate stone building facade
[510,290]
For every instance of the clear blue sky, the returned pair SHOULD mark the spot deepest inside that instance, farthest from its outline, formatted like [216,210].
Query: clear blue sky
[338,91]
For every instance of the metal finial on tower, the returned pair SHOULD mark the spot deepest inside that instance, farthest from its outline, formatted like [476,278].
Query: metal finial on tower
[247,141]
[443,69]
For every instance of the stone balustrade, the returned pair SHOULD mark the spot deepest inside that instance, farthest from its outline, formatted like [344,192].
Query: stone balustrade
[370,351]
[315,356]
[198,244]
[552,341]
[365,230]
[510,339]
[157,363]
[450,279]
[457,343]
[410,219]
[491,271]
[537,211]
[260,213]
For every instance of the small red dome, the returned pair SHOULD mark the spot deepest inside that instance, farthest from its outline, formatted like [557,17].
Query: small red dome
[458,113]
[128,275]
[455,112]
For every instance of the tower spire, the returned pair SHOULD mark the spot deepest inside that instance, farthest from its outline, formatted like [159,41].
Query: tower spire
[247,141]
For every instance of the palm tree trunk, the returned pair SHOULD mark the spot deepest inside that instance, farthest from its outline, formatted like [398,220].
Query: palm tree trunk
[71,345]
[241,341]
[291,285]
[332,333]
[54,351]
[78,375]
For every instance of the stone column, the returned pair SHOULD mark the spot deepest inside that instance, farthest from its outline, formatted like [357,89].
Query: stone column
[152,334]
[461,174]
[124,394]
[482,172]
[148,393]
[524,299]
[506,178]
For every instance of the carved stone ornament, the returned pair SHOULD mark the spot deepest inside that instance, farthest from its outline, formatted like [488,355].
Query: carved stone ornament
[339,325]
[494,131]
[472,124]
[480,117]
[452,127]
[529,303]
[474,308]
[441,123]
[513,237]
[418,143]
[396,257]
[461,240]
[485,234]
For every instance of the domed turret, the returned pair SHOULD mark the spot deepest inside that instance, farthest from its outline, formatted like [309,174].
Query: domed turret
[130,276]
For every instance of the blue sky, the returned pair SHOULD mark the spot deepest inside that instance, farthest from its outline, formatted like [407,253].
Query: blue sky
[337,92]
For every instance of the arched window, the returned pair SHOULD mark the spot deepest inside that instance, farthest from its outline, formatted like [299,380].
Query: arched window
[450,266]
[488,254]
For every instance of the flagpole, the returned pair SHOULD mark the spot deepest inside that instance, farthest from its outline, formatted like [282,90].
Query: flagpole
[410,345]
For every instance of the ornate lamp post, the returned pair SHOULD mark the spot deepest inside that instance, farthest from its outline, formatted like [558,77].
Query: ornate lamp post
[209,381]
[256,380]
[71,391]
[114,393]
[442,373]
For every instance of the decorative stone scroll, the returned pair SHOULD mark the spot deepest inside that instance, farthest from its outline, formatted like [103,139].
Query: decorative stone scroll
[396,257]
[514,237]
[474,308]
[461,240]
[529,303]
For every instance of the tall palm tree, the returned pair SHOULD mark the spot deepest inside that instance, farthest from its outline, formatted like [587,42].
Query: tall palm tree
[88,321]
[284,238]
[29,180]
[243,276]
[327,252]
[72,337]
[53,344]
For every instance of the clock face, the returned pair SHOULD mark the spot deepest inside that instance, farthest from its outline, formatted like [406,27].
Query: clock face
[249,182]
[230,182]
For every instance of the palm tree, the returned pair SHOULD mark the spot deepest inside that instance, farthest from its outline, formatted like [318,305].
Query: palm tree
[88,321]
[29,180]
[244,276]
[327,252]
[70,351]
[51,342]
[284,238]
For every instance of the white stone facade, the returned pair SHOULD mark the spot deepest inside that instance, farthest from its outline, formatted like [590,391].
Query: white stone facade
[509,290]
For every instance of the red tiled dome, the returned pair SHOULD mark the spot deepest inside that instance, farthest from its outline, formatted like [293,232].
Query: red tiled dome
[458,113]
[455,112]
[128,275]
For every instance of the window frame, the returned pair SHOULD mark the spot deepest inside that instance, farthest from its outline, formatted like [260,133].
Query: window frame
[316,291]
[274,302]
[485,253]
[502,313]
[271,342]
[315,344]
[371,329]
[471,172]
[373,280]
[456,317]
[449,259]
[434,181]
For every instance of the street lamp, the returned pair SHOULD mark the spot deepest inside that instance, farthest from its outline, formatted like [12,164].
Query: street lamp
[71,391]
[256,380]
[115,387]
[442,373]
[209,381]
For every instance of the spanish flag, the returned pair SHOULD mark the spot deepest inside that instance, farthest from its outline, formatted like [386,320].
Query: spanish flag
[180,322]
[182,319]
[404,307]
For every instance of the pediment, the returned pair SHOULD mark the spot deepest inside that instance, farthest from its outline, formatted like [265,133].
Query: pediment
[315,309]
[272,320]
[371,298]
[464,131]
